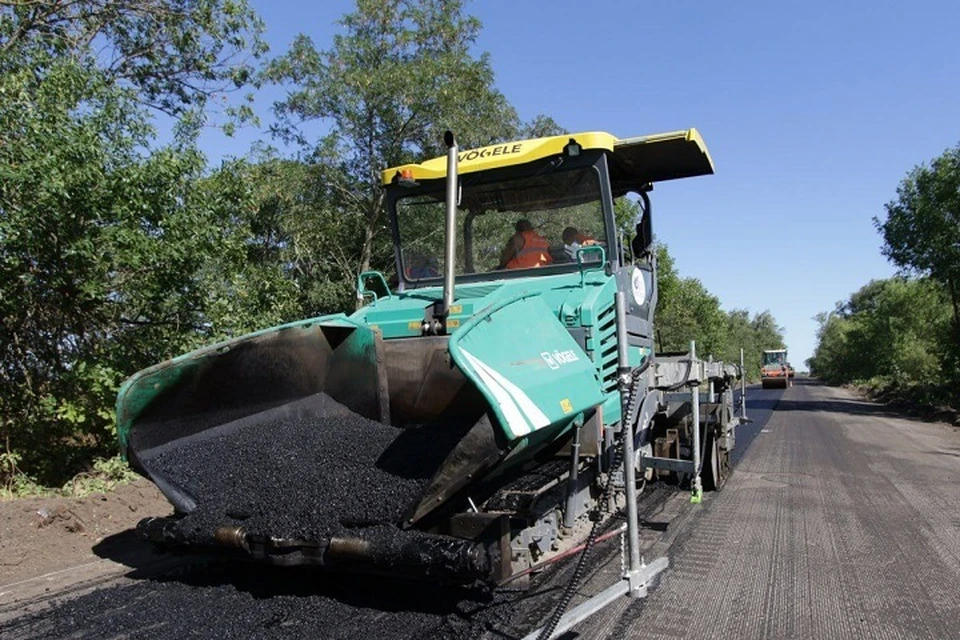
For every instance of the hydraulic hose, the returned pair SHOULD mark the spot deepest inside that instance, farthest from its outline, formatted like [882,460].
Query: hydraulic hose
[686,377]
[571,587]
[596,515]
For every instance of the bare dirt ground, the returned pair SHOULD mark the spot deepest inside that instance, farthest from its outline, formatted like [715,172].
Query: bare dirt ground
[39,536]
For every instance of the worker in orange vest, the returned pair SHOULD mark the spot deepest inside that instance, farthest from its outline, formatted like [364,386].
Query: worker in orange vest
[525,249]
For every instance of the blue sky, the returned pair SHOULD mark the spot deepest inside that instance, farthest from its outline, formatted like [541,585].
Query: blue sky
[813,112]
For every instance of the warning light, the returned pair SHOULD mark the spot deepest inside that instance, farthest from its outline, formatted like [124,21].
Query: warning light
[404,178]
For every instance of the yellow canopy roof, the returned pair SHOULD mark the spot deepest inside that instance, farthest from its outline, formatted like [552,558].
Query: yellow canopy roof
[633,161]
[663,156]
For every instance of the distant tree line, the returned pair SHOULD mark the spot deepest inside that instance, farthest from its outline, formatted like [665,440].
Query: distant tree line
[687,311]
[900,337]
[119,250]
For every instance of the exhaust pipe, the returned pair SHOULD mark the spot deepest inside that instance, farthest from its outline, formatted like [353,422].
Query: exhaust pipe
[450,254]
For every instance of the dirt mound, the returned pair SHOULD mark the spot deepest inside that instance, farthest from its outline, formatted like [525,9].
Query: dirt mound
[40,535]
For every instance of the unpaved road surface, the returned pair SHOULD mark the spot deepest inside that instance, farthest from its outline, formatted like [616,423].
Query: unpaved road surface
[841,521]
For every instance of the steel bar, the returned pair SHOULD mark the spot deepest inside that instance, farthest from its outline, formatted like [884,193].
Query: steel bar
[573,482]
[450,252]
[563,556]
[695,410]
[743,390]
[606,597]
[629,461]
[668,464]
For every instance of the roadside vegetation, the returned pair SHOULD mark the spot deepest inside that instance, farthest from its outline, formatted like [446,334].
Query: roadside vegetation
[121,245]
[900,338]
[687,311]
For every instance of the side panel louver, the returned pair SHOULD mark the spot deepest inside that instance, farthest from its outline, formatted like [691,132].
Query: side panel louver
[606,355]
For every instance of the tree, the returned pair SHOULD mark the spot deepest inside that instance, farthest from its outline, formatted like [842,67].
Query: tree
[541,126]
[111,259]
[922,231]
[831,359]
[400,75]
[891,335]
[173,55]
[686,311]
[113,255]
[298,225]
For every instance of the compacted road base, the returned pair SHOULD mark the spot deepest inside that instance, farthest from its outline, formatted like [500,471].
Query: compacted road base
[841,521]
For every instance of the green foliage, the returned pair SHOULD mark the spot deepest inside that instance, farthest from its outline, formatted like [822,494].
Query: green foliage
[922,231]
[687,311]
[626,212]
[399,76]
[110,262]
[902,336]
[106,474]
[103,242]
[293,236]
[753,335]
[13,482]
[542,126]
[111,259]
[173,55]
[892,335]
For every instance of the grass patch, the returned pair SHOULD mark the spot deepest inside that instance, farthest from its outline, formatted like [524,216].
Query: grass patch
[105,475]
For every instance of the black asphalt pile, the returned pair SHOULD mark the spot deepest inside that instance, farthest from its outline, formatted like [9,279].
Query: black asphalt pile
[308,470]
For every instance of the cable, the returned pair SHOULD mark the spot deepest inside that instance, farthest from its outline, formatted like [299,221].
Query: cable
[686,377]
[618,460]
[571,587]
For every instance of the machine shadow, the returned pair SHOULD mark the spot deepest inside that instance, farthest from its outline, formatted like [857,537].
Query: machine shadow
[762,404]
[128,549]
[862,407]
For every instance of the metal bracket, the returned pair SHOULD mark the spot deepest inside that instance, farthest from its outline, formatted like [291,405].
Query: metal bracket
[362,290]
[634,584]
[668,464]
